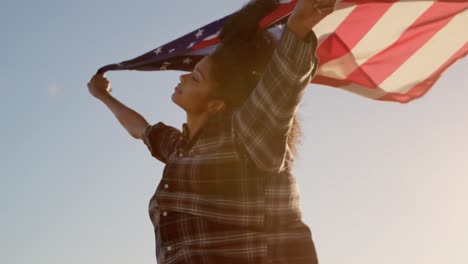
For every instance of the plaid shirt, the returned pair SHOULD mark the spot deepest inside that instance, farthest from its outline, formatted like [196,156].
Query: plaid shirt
[228,195]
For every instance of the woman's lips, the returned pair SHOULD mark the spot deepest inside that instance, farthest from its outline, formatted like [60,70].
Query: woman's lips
[177,89]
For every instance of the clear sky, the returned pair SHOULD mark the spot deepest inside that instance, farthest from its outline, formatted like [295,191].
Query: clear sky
[380,182]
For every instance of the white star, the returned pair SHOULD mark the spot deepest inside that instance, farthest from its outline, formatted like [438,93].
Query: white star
[158,51]
[199,33]
[172,50]
[191,45]
[187,60]
[165,64]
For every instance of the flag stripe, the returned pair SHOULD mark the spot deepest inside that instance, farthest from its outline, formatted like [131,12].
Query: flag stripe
[415,92]
[280,12]
[335,47]
[283,10]
[363,91]
[206,43]
[385,32]
[326,80]
[429,57]
[329,24]
[374,71]
[422,88]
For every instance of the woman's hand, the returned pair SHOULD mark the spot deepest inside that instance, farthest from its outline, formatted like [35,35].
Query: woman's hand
[99,86]
[132,121]
[308,13]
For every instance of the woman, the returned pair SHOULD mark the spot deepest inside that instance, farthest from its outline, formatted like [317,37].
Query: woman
[227,194]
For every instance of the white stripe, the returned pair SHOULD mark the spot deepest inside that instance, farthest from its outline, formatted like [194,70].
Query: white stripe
[383,34]
[363,91]
[429,57]
[212,36]
[330,23]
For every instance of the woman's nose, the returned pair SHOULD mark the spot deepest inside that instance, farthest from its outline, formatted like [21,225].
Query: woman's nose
[181,78]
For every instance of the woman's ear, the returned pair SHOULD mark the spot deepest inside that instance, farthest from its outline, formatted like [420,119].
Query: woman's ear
[215,105]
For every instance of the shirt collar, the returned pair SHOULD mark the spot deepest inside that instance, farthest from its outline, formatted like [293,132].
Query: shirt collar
[211,122]
[185,130]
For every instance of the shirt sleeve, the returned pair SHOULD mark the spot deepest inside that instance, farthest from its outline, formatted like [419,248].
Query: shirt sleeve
[264,121]
[161,140]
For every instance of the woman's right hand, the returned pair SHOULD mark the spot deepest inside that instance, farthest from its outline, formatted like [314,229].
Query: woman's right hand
[308,13]
[99,86]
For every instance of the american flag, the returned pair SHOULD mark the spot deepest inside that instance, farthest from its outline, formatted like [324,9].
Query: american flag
[383,50]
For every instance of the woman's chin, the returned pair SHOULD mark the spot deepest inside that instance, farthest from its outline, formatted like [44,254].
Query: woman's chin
[175,99]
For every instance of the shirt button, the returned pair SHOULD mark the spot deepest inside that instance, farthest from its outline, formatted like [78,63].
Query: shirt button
[169,248]
[165,213]
[166,186]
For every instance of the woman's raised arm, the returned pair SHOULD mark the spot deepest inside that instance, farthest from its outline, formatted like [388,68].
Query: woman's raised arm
[264,121]
[132,121]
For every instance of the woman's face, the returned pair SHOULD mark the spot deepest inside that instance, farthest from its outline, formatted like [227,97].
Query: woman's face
[194,92]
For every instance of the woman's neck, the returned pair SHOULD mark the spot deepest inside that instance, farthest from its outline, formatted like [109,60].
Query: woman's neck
[195,123]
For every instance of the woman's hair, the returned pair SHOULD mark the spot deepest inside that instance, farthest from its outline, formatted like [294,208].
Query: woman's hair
[242,57]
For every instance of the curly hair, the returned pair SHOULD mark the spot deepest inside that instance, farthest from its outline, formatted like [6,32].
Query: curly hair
[242,57]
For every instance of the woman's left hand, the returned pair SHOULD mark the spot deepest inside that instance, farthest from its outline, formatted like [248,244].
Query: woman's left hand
[308,13]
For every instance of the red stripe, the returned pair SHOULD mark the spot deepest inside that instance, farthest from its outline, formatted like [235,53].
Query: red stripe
[324,80]
[353,28]
[382,65]
[420,89]
[206,43]
[280,12]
